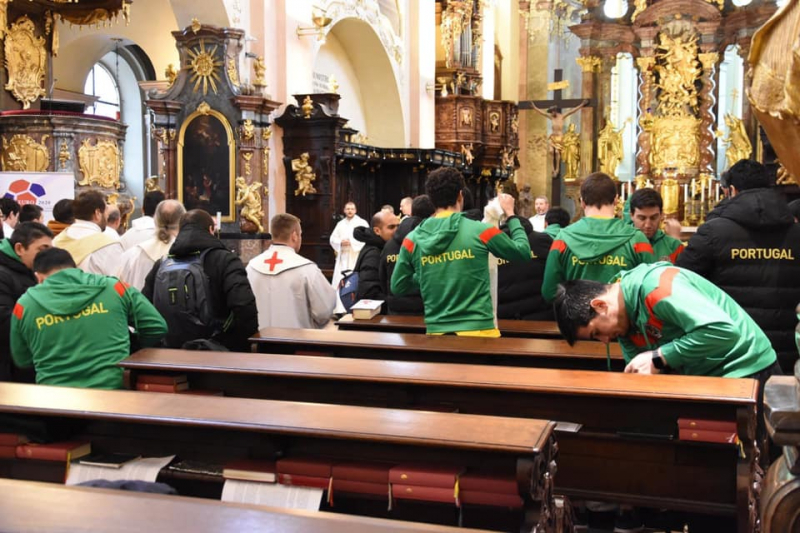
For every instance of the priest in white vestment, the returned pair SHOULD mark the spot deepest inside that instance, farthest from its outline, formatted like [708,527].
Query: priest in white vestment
[144,227]
[346,248]
[138,261]
[540,204]
[290,290]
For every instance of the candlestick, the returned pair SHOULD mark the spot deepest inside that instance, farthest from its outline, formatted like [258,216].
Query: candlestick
[685,194]
[717,193]
[219,222]
[702,198]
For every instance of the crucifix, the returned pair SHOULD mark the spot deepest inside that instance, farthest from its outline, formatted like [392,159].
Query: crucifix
[552,110]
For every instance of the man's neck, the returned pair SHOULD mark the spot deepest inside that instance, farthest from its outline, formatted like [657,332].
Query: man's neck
[451,209]
[604,211]
[623,311]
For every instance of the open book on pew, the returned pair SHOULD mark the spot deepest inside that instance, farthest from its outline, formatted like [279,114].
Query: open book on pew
[366,309]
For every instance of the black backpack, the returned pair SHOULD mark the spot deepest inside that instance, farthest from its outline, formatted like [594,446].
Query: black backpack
[181,293]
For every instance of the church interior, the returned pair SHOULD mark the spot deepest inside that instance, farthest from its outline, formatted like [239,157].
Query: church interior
[252,108]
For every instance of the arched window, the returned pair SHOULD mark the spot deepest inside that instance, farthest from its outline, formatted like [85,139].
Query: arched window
[101,84]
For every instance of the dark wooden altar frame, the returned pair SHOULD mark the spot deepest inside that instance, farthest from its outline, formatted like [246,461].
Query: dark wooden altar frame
[230,216]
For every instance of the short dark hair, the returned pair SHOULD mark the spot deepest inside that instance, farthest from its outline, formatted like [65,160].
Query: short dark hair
[282,225]
[27,232]
[52,259]
[151,201]
[748,174]
[572,305]
[557,215]
[87,202]
[598,189]
[8,206]
[62,211]
[197,217]
[443,186]
[29,212]
[469,199]
[422,207]
[113,214]
[646,197]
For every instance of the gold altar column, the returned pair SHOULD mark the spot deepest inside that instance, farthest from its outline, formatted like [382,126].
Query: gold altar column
[590,66]
[646,93]
[706,114]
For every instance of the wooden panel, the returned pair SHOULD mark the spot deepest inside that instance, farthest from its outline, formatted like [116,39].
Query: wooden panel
[416,324]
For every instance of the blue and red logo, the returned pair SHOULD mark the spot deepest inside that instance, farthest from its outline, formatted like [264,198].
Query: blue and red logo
[25,192]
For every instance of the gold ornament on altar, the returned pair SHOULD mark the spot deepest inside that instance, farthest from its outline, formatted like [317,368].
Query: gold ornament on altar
[204,65]
[670,194]
[677,69]
[249,198]
[63,155]
[556,139]
[639,5]
[303,175]
[196,25]
[676,143]
[333,85]
[100,164]
[247,156]
[233,72]
[171,73]
[23,154]
[260,69]
[466,150]
[151,185]
[783,176]
[738,144]
[25,61]
[571,152]
[307,107]
[609,148]
[248,130]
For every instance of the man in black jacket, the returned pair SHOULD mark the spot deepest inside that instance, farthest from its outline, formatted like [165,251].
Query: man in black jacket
[16,277]
[384,224]
[749,247]
[233,301]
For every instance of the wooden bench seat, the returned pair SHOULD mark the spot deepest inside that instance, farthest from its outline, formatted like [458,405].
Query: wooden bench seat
[47,507]
[627,450]
[538,329]
[219,430]
[542,353]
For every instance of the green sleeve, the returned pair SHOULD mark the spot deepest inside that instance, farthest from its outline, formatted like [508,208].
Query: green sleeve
[643,252]
[514,248]
[710,333]
[403,277]
[553,272]
[144,318]
[629,350]
[20,351]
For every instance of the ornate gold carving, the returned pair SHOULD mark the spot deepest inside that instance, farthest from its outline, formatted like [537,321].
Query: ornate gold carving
[204,67]
[670,193]
[676,143]
[247,156]
[456,17]
[63,155]
[639,5]
[558,85]
[333,85]
[171,73]
[3,17]
[233,72]
[303,175]
[708,59]
[645,63]
[784,177]
[249,197]
[248,130]
[94,17]
[196,25]
[204,108]
[266,134]
[677,71]
[589,63]
[259,68]
[25,61]
[609,148]
[494,121]
[308,107]
[100,164]
[738,143]
[571,153]
[151,185]
[466,116]
[466,150]
[23,154]
[164,135]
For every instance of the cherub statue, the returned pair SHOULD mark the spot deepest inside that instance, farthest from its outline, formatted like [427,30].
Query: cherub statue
[151,185]
[249,197]
[171,73]
[466,149]
[259,68]
[303,175]
[739,146]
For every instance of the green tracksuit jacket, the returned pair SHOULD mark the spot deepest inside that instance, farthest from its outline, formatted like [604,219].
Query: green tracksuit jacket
[595,249]
[448,258]
[73,329]
[666,248]
[700,329]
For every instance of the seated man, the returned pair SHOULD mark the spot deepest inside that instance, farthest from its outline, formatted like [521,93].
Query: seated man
[598,246]
[73,326]
[290,290]
[519,283]
[384,224]
[646,216]
[447,257]
[62,216]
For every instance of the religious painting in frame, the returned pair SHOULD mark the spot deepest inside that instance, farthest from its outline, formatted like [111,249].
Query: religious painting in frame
[206,163]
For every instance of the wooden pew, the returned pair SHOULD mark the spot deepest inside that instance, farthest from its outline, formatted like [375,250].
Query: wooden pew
[218,430]
[47,507]
[542,353]
[625,451]
[538,329]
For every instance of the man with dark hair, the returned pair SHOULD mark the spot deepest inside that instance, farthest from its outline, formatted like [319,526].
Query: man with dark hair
[144,227]
[231,298]
[16,277]
[749,247]
[384,225]
[31,213]
[9,209]
[290,290]
[646,216]
[422,207]
[91,248]
[62,216]
[447,257]
[597,246]
[73,327]
[556,219]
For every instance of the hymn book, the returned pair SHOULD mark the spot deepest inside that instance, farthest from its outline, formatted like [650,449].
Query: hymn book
[366,309]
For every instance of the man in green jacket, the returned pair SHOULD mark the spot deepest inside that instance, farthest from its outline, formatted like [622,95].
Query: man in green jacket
[646,207]
[73,326]
[447,257]
[598,246]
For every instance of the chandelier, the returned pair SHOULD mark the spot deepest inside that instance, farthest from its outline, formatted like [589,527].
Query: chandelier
[560,13]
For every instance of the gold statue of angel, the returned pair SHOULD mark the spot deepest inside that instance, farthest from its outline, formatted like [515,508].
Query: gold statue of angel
[303,175]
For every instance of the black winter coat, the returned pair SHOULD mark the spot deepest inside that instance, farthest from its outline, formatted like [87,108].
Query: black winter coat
[410,303]
[519,284]
[15,279]
[230,290]
[750,248]
[369,283]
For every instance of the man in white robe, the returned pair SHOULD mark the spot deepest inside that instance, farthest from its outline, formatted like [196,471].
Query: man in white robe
[139,260]
[91,249]
[540,204]
[346,248]
[144,227]
[290,290]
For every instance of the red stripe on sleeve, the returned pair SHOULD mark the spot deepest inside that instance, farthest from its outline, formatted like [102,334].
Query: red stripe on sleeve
[488,234]
[641,247]
[663,290]
[408,244]
[18,310]
[674,255]
[561,246]
[120,287]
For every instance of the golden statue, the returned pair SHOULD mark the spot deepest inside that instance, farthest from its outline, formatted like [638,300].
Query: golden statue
[307,107]
[303,175]
[466,149]
[677,71]
[609,148]
[171,73]
[783,176]
[151,185]
[571,151]
[640,6]
[249,198]
[739,146]
[670,194]
[556,117]
[260,69]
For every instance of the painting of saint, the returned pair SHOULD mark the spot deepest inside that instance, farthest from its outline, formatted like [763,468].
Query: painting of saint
[207,175]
